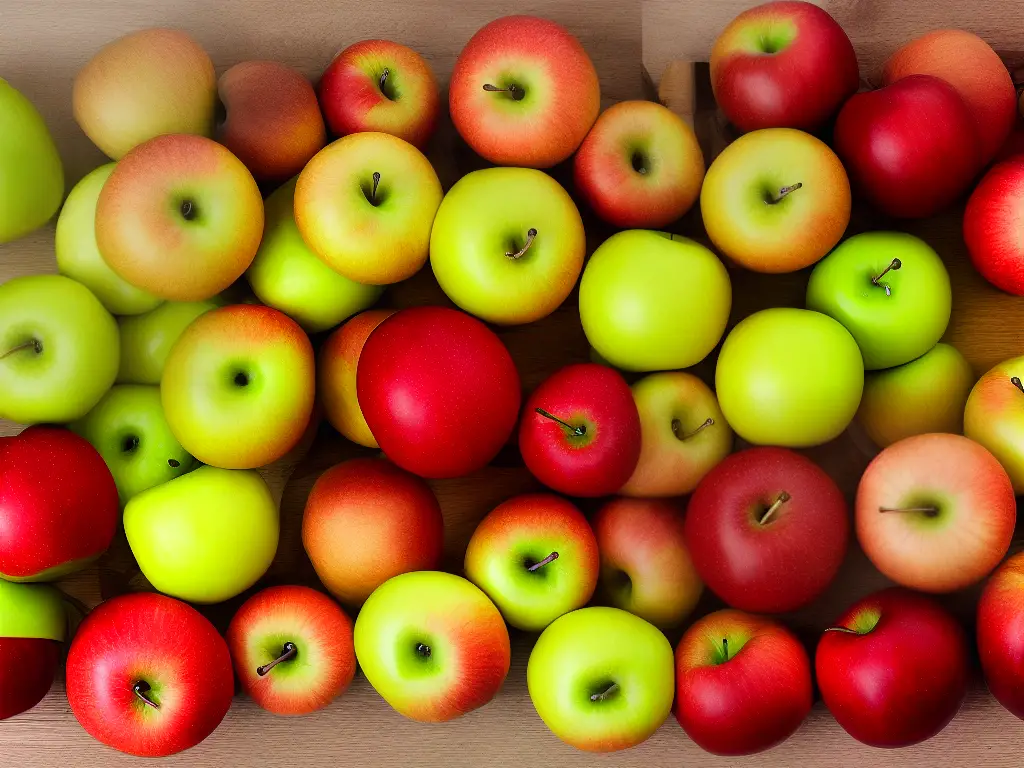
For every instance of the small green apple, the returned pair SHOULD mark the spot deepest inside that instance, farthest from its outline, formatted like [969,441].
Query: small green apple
[32,611]
[146,340]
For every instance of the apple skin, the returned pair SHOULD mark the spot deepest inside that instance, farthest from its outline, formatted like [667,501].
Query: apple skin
[893,669]
[767,563]
[556,99]
[354,101]
[33,624]
[968,529]
[646,567]
[466,656]
[438,390]
[582,655]
[146,340]
[321,631]
[640,166]
[521,533]
[783,65]
[743,683]
[991,230]
[993,417]
[31,611]
[597,400]
[169,646]
[366,521]
[910,148]
[75,355]
[1000,617]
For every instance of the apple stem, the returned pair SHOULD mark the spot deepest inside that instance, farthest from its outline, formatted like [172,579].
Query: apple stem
[601,696]
[785,191]
[34,345]
[553,556]
[678,425]
[844,630]
[725,649]
[513,90]
[925,510]
[288,651]
[140,689]
[383,78]
[579,431]
[782,499]
[188,210]
[1015,380]
[373,192]
[896,264]
[531,233]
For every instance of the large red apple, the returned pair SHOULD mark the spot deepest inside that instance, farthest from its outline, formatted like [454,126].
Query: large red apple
[994,229]
[438,390]
[767,530]
[893,669]
[1001,634]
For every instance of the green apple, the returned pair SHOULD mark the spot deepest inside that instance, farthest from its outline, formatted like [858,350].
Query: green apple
[994,417]
[146,340]
[602,679]
[59,349]
[288,276]
[639,300]
[32,611]
[206,536]
[789,377]
[31,174]
[130,432]
[891,291]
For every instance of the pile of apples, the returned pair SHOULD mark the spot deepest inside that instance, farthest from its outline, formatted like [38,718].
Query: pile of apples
[154,392]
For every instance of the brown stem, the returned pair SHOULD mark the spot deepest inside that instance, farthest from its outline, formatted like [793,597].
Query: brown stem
[925,510]
[678,425]
[530,235]
[785,191]
[579,431]
[611,689]
[896,264]
[782,499]
[550,558]
[512,90]
[844,630]
[373,192]
[383,78]
[33,345]
[725,649]
[140,689]
[288,651]
[1015,380]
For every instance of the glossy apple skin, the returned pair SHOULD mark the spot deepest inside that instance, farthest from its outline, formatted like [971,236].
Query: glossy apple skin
[365,521]
[994,417]
[146,340]
[28,666]
[1001,634]
[594,398]
[910,148]
[438,390]
[900,676]
[967,536]
[164,643]
[992,228]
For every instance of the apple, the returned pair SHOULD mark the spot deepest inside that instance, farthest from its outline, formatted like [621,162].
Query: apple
[130,432]
[890,290]
[910,148]
[776,200]
[378,85]
[439,391]
[683,434]
[536,557]
[273,122]
[365,521]
[601,679]
[33,624]
[893,669]
[783,65]
[180,217]
[237,388]
[145,84]
[286,275]
[743,683]
[925,395]
[637,295]
[365,205]
[992,232]
[58,505]
[146,340]
[580,431]
[767,530]
[992,417]
[31,173]
[205,536]
[292,649]
[507,244]
[432,645]
[789,377]
[935,512]
[640,166]
[646,567]
[149,675]
[999,637]
[524,92]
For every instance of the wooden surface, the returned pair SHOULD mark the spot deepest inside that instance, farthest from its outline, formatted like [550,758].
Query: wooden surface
[43,43]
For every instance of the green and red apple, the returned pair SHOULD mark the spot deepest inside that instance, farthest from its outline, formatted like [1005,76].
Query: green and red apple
[146,340]
[994,416]
[33,624]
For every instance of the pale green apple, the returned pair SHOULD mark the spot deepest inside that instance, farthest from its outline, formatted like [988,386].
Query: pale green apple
[288,276]
[146,340]
[32,610]
[31,174]
[79,257]
[59,349]
[130,432]
[206,536]
[651,301]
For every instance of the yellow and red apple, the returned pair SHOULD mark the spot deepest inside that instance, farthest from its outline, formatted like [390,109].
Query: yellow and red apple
[994,417]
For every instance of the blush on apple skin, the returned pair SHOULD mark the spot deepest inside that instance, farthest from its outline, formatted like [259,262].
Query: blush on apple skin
[993,226]
[27,669]
[1001,634]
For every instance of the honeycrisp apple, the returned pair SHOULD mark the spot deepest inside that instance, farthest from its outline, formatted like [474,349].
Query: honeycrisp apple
[990,229]
[33,624]
[146,340]
[993,417]
[999,637]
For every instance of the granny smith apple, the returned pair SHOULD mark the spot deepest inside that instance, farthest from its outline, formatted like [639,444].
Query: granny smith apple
[32,610]
[59,349]
[651,301]
[206,536]
[288,276]
[789,377]
[891,291]
[31,174]
[79,257]
[146,340]
[130,432]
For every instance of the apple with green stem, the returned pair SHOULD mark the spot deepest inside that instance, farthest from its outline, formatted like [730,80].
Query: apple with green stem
[146,340]
[33,624]
[994,416]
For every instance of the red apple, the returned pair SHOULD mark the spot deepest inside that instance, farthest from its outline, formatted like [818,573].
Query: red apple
[1001,634]
[580,432]
[910,148]
[149,675]
[767,529]
[993,228]
[438,390]
[743,683]
[27,668]
[893,670]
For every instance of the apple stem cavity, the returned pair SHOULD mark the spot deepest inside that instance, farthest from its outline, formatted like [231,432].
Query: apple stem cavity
[550,558]
[1015,380]
[173,463]
[678,425]
[531,234]
[188,210]
[423,650]
[896,264]
[579,431]
[140,689]
[608,692]
[35,345]
[512,90]
[784,192]
[288,652]
[782,499]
